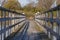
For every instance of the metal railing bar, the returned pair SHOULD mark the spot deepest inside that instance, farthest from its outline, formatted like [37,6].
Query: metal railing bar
[14,12]
[53,9]
[50,19]
[9,18]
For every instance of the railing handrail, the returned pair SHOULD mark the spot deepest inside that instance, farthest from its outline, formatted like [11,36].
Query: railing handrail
[49,17]
[53,9]
[9,18]
[8,10]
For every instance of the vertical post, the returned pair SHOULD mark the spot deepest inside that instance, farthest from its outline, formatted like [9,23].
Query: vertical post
[13,22]
[49,23]
[58,17]
[46,16]
[9,15]
[2,25]
[45,21]
[4,14]
[54,25]
[51,16]
[8,25]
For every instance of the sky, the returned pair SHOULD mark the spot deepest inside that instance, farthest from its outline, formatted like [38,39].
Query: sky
[22,2]
[1,2]
[25,2]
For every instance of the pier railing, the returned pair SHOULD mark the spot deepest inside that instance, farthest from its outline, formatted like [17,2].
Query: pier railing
[9,22]
[50,20]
